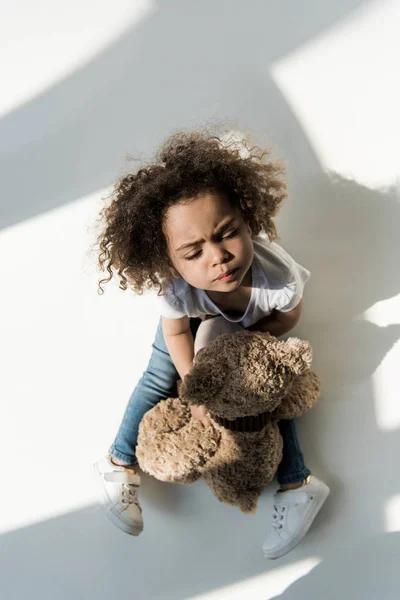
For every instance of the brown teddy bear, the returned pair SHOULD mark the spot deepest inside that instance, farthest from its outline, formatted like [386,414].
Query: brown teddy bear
[248,381]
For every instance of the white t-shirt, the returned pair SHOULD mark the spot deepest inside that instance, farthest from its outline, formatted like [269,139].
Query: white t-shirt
[278,283]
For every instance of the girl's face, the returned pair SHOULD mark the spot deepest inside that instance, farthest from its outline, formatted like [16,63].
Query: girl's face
[206,239]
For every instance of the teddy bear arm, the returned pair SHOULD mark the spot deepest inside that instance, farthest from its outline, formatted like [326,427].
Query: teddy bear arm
[302,396]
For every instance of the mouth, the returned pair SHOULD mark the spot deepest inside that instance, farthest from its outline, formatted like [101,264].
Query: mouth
[228,276]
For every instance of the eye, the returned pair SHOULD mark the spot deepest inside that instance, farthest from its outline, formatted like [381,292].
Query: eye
[231,235]
[193,256]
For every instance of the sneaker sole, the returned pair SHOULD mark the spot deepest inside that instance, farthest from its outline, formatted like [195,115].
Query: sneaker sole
[131,530]
[286,549]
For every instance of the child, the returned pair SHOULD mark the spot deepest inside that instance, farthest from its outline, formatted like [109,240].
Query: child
[198,226]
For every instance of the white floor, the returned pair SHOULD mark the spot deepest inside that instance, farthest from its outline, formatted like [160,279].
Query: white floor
[71,358]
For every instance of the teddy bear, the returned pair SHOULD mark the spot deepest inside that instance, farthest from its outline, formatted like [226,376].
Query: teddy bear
[248,381]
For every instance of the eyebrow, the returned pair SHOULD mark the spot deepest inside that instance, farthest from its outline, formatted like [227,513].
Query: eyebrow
[220,228]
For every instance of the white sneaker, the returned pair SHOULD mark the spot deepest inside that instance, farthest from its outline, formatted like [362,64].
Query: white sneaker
[120,486]
[293,513]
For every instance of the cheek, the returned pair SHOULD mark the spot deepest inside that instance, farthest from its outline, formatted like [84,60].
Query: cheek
[191,269]
[246,246]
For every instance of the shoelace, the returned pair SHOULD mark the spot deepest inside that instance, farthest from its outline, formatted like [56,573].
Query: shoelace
[280,510]
[278,516]
[129,494]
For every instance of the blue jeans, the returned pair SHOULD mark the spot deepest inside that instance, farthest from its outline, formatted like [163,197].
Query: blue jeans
[159,382]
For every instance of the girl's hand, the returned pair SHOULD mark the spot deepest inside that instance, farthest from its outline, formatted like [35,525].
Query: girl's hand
[201,413]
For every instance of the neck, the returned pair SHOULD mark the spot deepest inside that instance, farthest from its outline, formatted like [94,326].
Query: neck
[247,279]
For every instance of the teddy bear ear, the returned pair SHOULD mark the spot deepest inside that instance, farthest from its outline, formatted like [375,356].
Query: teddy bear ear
[297,355]
[203,381]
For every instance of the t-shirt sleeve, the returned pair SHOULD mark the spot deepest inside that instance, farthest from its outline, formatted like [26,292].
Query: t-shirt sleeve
[290,279]
[289,296]
[171,307]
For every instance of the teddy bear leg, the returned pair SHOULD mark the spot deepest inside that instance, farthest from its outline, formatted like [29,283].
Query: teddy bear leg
[244,465]
[171,445]
[227,489]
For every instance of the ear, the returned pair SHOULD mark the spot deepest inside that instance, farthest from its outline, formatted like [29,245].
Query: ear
[174,272]
[297,355]
[203,381]
[172,269]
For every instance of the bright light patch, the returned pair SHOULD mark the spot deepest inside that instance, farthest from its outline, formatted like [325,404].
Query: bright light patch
[392,514]
[386,384]
[343,88]
[70,361]
[386,379]
[43,42]
[265,586]
[385,312]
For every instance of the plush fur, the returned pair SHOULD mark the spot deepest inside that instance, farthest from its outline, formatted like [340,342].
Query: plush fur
[236,375]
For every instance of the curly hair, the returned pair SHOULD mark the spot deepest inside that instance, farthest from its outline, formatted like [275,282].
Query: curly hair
[132,243]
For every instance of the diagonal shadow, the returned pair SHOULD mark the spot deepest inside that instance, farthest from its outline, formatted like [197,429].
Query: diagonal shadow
[374,573]
[186,63]
[81,555]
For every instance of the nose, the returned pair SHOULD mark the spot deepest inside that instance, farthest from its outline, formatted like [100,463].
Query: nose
[219,254]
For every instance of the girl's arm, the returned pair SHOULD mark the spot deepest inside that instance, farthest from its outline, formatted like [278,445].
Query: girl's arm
[279,323]
[180,343]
